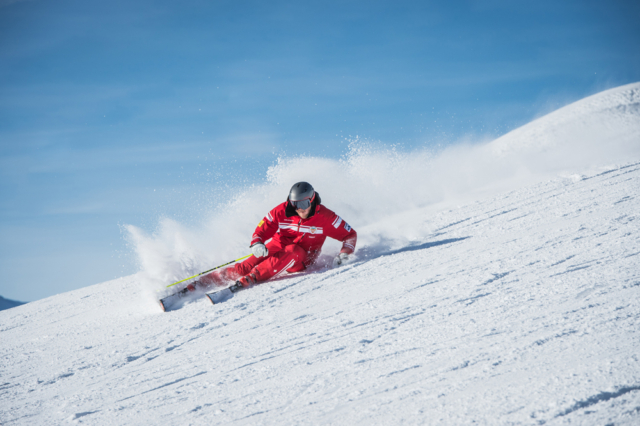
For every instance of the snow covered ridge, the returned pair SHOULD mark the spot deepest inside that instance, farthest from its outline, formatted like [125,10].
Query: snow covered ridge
[521,308]
[603,128]
[602,122]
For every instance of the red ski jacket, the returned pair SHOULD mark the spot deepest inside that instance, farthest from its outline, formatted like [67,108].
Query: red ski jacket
[286,227]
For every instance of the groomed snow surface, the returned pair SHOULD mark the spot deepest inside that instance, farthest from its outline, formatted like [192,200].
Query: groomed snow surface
[516,308]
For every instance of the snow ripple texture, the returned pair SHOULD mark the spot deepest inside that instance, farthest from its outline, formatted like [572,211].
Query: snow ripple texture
[516,308]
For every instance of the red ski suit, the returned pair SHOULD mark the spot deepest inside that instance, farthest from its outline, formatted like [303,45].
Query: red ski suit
[295,242]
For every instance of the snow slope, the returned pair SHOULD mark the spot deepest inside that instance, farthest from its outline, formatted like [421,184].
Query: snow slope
[516,308]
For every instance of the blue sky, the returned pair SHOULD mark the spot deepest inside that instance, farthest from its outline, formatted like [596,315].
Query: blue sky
[121,112]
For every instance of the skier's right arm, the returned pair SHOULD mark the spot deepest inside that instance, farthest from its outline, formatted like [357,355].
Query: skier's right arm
[265,229]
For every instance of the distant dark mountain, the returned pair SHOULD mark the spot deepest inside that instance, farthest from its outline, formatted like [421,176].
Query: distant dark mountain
[7,303]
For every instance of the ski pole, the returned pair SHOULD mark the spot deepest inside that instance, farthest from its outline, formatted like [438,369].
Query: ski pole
[212,269]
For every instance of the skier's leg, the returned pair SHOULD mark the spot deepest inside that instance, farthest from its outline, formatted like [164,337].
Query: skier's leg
[222,277]
[228,275]
[290,259]
[243,268]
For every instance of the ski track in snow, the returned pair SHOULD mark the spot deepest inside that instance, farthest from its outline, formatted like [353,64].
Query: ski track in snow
[521,309]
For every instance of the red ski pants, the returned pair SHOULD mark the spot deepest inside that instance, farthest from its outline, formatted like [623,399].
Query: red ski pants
[280,259]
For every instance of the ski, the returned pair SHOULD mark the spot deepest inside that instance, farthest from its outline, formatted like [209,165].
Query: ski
[214,297]
[224,294]
[167,302]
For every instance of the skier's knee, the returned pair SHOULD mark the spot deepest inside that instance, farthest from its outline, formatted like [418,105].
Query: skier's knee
[299,255]
[297,251]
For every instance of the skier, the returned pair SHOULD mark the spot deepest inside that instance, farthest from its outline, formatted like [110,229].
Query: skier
[297,229]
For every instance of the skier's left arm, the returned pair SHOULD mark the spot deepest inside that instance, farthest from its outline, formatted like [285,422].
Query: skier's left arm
[342,231]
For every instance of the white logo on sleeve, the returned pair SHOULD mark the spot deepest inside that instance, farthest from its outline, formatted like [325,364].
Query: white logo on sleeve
[347,227]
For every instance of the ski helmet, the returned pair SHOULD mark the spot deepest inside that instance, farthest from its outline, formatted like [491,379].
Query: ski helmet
[301,195]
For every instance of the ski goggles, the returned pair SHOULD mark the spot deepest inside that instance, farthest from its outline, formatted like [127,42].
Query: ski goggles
[302,204]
